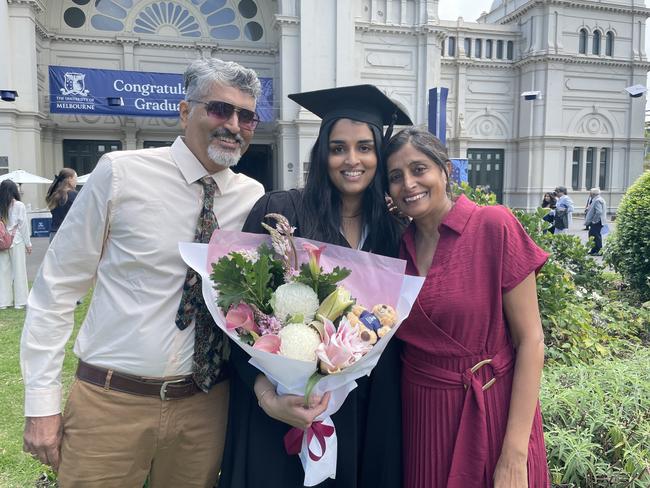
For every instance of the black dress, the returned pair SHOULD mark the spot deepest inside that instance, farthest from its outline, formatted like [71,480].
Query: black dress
[368,425]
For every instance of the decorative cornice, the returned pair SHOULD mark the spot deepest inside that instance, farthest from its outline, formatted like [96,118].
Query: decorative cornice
[157,43]
[402,30]
[36,5]
[478,63]
[607,7]
[279,20]
[573,59]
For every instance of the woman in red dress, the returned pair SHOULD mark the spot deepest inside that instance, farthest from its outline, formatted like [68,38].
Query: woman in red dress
[474,346]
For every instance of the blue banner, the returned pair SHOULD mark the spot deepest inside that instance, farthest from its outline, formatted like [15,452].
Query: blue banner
[438,113]
[136,93]
[459,170]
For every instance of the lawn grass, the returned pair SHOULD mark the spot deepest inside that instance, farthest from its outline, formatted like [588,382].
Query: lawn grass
[17,469]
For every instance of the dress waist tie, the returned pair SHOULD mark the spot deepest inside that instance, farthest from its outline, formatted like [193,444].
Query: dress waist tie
[471,447]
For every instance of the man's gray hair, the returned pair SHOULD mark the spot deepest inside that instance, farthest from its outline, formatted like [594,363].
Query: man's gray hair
[561,189]
[202,74]
[595,191]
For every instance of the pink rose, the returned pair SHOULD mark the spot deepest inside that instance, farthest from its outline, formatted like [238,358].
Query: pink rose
[241,317]
[269,343]
[340,348]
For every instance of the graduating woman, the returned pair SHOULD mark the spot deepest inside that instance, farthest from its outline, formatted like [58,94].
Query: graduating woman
[342,203]
[473,343]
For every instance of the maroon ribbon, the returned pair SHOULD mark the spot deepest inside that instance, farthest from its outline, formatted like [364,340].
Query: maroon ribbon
[293,439]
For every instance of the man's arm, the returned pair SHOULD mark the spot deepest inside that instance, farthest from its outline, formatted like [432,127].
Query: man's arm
[67,272]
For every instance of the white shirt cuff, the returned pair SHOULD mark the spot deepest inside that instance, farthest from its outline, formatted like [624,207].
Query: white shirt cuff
[42,402]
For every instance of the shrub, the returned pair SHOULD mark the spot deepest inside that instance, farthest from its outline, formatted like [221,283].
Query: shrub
[628,249]
[583,315]
[597,423]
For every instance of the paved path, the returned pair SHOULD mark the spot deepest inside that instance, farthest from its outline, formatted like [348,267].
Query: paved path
[39,246]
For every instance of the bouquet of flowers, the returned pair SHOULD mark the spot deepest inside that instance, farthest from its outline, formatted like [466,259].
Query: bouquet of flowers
[313,317]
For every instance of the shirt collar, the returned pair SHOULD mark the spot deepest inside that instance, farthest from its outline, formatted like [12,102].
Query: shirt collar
[459,214]
[192,169]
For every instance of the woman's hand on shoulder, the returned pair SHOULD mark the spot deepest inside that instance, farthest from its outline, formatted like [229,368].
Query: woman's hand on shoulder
[511,470]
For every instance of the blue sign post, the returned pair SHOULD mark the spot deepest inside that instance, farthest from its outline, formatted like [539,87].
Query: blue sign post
[135,93]
[438,113]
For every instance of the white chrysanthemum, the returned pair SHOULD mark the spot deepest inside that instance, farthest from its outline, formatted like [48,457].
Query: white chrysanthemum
[293,299]
[299,341]
[250,255]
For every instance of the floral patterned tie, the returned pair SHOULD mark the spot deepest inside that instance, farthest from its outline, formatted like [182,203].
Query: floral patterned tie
[210,348]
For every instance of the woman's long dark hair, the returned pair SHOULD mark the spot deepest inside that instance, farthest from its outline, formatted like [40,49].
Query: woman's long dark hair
[57,194]
[8,193]
[322,200]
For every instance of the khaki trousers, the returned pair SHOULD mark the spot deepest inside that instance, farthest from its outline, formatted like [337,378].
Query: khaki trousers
[114,439]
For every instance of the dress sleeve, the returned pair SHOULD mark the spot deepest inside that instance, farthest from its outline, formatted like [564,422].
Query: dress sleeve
[521,256]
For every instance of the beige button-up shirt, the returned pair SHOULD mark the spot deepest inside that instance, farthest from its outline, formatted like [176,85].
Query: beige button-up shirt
[121,236]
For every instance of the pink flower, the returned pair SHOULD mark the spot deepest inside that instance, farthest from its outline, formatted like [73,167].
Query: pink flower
[269,343]
[314,257]
[340,348]
[241,317]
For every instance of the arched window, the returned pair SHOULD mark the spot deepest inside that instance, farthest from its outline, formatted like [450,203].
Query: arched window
[582,44]
[478,48]
[488,48]
[609,44]
[499,49]
[468,47]
[595,47]
[510,48]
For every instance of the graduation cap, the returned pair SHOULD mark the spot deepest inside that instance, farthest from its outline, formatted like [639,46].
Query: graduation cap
[364,103]
[636,90]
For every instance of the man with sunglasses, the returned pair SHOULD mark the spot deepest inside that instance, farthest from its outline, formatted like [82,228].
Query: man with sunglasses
[150,397]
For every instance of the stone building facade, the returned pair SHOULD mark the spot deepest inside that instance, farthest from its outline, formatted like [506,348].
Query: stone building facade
[582,130]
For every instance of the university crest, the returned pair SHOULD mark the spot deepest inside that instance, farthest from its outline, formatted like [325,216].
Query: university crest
[74,84]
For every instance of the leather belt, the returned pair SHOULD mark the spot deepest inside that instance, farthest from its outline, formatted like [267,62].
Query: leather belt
[108,379]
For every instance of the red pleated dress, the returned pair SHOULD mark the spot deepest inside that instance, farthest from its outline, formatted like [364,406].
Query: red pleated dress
[454,418]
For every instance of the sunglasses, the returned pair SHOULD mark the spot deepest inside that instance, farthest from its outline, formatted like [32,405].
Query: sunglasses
[223,111]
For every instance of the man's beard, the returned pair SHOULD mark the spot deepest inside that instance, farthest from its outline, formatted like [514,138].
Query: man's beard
[218,156]
[224,158]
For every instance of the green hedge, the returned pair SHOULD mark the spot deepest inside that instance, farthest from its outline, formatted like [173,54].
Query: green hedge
[628,248]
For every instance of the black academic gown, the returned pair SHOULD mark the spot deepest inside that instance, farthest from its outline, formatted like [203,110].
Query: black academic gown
[368,425]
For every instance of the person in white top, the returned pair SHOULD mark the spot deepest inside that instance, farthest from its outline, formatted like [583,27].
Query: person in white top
[13,265]
[134,411]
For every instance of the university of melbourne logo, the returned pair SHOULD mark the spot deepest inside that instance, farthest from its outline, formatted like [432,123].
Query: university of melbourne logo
[74,84]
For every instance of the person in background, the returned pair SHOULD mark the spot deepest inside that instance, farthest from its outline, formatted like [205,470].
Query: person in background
[563,211]
[343,204]
[549,201]
[150,398]
[596,219]
[473,344]
[60,197]
[13,264]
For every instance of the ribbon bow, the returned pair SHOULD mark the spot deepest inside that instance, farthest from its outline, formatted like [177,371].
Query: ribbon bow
[293,439]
